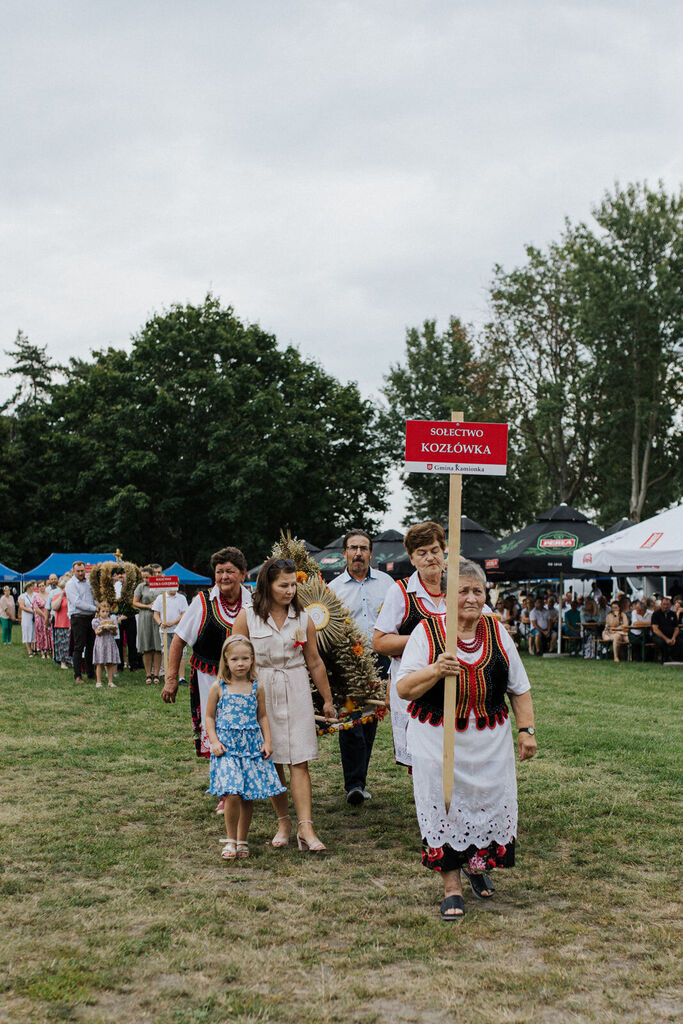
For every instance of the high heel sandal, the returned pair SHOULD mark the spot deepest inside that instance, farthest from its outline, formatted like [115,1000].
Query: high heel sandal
[309,845]
[280,840]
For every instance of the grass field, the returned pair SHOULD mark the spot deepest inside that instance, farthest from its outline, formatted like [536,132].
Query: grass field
[116,905]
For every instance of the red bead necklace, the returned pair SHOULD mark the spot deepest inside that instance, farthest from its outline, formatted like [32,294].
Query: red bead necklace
[231,610]
[469,646]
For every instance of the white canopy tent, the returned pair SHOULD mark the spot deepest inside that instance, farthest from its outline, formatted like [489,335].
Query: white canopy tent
[653,546]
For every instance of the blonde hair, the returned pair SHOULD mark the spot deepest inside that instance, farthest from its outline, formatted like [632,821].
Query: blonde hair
[223,670]
[103,604]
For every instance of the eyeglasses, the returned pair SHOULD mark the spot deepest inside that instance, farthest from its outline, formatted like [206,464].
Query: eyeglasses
[284,563]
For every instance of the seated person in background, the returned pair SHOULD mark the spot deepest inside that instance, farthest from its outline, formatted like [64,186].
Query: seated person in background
[616,629]
[677,608]
[510,615]
[553,612]
[666,632]
[572,622]
[525,622]
[601,609]
[641,617]
[541,628]
[499,609]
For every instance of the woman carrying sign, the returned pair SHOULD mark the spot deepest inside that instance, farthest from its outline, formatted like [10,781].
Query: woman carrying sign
[478,831]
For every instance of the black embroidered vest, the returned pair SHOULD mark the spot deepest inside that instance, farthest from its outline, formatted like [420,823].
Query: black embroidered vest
[481,687]
[415,611]
[206,652]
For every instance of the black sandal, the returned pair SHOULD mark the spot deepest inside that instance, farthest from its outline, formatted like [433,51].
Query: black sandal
[148,680]
[479,883]
[453,903]
[157,681]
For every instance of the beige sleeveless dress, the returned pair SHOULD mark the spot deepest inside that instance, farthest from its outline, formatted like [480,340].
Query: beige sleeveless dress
[281,670]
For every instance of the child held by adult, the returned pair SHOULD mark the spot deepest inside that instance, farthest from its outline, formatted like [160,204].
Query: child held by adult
[105,651]
[241,746]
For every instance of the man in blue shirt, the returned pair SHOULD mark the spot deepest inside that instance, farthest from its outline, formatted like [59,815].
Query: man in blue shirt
[362,590]
[81,612]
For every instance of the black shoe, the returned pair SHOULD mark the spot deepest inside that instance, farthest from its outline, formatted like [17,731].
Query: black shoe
[182,682]
[355,796]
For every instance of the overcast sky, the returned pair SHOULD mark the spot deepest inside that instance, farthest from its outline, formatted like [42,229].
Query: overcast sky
[336,171]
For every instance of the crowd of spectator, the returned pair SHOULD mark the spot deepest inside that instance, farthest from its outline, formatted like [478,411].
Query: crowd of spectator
[56,617]
[60,620]
[646,628]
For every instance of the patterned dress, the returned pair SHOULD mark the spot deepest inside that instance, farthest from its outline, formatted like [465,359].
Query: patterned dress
[105,650]
[241,769]
[43,631]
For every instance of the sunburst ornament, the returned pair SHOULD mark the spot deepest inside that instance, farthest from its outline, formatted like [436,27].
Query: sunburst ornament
[350,664]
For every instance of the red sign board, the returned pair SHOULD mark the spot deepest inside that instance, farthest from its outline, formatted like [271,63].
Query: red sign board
[491,563]
[162,582]
[433,446]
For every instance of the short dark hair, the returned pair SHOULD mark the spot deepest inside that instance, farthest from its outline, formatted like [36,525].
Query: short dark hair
[233,555]
[268,573]
[355,533]
[424,533]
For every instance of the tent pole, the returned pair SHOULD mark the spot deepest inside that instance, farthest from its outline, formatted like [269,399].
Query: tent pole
[559,617]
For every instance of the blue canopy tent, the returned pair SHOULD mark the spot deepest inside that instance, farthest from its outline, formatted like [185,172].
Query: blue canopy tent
[185,576]
[61,563]
[8,575]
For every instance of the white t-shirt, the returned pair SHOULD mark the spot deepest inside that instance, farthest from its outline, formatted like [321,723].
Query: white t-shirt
[175,606]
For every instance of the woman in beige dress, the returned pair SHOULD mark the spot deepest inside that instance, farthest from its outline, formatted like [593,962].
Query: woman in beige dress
[286,652]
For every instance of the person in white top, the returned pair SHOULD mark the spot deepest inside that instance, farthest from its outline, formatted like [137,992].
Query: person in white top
[176,606]
[641,619]
[205,626]
[478,830]
[406,603]
[542,621]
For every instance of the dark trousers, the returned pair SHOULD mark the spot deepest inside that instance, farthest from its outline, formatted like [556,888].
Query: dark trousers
[355,747]
[668,652]
[83,642]
[128,634]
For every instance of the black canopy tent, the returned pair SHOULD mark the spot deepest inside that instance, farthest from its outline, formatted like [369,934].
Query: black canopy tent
[543,550]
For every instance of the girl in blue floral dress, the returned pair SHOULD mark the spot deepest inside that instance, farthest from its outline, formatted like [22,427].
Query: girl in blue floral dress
[239,733]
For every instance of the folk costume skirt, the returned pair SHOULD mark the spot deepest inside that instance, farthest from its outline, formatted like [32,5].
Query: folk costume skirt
[483,809]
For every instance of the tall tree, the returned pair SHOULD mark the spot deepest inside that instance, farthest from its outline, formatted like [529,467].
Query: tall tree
[442,372]
[534,332]
[35,370]
[631,315]
[205,434]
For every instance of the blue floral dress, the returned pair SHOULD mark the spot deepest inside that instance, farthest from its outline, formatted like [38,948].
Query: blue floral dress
[241,769]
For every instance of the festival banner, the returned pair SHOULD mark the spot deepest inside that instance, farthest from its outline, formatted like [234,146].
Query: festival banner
[434,446]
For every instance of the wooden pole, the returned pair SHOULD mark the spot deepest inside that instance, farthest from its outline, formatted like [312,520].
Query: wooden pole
[451,682]
[163,619]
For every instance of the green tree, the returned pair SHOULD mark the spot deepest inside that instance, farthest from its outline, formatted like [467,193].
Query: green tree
[534,333]
[629,274]
[206,434]
[35,370]
[442,372]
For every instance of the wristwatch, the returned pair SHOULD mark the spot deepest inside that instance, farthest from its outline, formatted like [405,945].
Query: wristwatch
[527,728]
